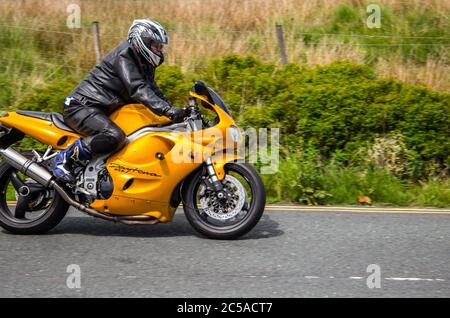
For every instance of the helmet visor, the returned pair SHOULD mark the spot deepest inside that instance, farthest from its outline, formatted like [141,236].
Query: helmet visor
[154,46]
[157,48]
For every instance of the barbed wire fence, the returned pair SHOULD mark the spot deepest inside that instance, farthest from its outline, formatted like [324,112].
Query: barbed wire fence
[278,36]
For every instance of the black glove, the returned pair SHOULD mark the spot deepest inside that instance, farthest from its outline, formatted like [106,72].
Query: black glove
[176,114]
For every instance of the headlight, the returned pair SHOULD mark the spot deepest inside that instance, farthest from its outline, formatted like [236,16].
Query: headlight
[234,132]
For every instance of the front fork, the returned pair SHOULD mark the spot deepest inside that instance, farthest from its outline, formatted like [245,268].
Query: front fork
[213,179]
[215,169]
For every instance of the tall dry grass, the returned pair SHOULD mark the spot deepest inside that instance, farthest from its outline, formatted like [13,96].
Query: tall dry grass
[204,29]
[223,14]
[434,73]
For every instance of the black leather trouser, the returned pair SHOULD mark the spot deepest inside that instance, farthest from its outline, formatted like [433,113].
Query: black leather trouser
[101,135]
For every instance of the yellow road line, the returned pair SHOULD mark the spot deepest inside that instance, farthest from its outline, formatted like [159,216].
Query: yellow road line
[342,209]
[356,210]
[326,207]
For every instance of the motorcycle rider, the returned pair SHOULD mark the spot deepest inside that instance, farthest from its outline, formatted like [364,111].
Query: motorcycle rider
[125,76]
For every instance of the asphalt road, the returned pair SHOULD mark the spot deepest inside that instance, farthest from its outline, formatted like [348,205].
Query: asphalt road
[310,253]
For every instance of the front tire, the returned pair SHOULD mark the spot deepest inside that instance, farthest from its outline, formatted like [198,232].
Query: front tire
[39,216]
[226,224]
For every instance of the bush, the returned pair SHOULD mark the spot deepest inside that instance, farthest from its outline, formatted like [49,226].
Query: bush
[173,83]
[338,108]
[49,97]
[298,180]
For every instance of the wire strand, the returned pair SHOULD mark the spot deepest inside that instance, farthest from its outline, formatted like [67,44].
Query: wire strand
[40,30]
[175,30]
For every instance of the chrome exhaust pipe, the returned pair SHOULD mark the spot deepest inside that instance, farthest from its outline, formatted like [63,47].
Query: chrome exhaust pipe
[137,220]
[44,177]
[27,166]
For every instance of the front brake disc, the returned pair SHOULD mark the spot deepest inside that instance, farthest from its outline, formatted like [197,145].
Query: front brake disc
[224,211]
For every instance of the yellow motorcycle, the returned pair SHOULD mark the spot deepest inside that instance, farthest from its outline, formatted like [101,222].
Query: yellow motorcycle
[196,163]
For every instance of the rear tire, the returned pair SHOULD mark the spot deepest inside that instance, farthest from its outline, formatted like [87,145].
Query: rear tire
[51,216]
[254,209]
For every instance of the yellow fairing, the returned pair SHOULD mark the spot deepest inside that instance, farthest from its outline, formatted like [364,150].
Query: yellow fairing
[39,129]
[135,116]
[144,184]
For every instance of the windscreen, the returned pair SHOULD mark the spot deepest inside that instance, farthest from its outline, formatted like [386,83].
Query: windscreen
[200,88]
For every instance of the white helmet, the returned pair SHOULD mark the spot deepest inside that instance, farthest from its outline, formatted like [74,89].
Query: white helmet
[148,37]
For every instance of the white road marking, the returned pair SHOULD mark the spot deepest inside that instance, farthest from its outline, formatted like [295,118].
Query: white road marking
[410,279]
[415,279]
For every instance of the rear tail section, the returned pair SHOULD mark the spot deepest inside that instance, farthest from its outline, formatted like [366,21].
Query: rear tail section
[42,128]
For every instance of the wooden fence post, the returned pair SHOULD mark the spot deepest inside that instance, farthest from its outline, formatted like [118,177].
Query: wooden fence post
[96,34]
[281,43]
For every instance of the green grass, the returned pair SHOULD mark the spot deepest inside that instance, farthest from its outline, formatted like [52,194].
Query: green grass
[416,27]
[10,194]
[308,182]
[305,180]
[432,193]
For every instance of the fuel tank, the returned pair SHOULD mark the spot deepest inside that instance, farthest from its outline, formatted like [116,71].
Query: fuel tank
[132,117]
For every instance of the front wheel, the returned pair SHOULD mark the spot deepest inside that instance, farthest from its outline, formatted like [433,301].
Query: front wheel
[231,218]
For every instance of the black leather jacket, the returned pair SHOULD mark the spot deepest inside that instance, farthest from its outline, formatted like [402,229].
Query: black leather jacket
[121,78]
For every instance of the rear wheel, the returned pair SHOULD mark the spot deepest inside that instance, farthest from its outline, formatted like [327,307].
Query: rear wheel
[36,209]
[231,218]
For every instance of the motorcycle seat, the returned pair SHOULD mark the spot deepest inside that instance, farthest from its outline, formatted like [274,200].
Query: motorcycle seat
[56,118]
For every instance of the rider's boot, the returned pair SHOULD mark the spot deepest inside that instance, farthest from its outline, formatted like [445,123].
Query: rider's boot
[63,163]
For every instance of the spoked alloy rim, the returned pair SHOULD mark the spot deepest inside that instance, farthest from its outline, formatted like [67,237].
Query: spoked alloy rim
[231,213]
[32,200]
